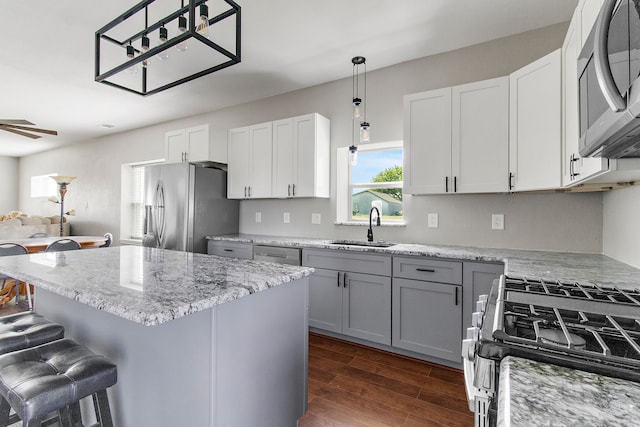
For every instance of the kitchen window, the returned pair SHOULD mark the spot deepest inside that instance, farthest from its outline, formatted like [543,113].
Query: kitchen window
[132,201]
[376,181]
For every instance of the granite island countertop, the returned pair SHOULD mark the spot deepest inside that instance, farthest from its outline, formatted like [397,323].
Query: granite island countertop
[583,267]
[541,394]
[147,285]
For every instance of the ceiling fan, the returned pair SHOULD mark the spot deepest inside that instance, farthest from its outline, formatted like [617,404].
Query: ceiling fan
[23,128]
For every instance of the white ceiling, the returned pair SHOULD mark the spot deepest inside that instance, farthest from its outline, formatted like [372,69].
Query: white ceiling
[47,48]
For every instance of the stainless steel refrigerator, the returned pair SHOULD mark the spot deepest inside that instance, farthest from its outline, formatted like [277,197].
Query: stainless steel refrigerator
[183,204]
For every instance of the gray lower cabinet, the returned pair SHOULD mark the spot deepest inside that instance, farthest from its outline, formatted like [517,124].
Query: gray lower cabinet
[230,249]
[477,278]
[349,301]
[427,306]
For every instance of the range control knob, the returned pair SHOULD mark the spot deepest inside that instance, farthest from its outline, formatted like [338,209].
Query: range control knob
[481,305]
[473,333]
[476,319]
[469,349]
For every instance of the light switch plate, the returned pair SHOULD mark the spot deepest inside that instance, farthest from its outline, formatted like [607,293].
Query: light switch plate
[316,218]
[432,220]
[258,216]
[286,217]
[497,222]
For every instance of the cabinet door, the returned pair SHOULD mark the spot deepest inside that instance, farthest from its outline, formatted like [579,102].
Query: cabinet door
[480,137]
[197,140]
[427,318]
[427,142]
[325,300]
[284,153]
[366,307]
[535,116]
[477,280]
[175,145]
[230,249]
[570,52]
[260,152]
[305,168]
[238,168]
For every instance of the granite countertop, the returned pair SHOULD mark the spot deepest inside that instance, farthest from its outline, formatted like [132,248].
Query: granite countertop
[540,394]
[147,285]
[583,267]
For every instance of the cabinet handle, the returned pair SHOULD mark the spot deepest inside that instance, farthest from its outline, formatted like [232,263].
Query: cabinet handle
[228,250]
[186,156]
[571,166]
[344,279]
[426,270]
[446,184]
[455,184]
[249,191]
[294,189]
[511,175]
[338,279]
[456,296]
[289,190]
[574,158]
[245,192]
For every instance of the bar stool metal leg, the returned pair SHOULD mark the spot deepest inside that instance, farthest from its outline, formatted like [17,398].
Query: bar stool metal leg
[101,406]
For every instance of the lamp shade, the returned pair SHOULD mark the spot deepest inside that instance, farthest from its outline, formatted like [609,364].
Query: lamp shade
[63,180]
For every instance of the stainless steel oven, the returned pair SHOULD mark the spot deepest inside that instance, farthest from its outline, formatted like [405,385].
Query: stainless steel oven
[576,325]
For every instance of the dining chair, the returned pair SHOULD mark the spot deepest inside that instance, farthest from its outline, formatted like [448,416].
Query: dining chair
[109,240]
[9,249]
[62,245]
[35,235]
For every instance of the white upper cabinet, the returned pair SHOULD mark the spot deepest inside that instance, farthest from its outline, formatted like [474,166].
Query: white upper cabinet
[427,141]
[301,157]
[480,136]
[250,150]
[456,139]
[535,125]
[194,145]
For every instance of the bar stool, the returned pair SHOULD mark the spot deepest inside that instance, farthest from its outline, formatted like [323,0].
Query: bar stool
[54,377]
[27,329]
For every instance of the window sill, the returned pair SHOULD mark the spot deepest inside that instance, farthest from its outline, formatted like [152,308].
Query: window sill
[366,223]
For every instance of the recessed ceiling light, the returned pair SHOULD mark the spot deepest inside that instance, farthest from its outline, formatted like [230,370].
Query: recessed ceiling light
[106,126]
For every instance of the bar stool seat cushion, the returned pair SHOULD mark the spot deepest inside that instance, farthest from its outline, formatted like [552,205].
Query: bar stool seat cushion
[43,379]
[28,329]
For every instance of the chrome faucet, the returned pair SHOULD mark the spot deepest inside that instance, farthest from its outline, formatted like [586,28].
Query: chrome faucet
[370,231]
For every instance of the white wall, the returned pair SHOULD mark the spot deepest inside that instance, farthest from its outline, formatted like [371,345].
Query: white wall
[541,221]
[9,179]
[621,225]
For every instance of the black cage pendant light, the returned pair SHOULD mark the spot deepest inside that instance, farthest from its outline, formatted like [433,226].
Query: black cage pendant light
[187,41]
[359,107]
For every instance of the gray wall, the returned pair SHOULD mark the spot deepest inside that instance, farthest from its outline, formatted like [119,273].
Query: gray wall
[541,221]
[621,225]
[9,179]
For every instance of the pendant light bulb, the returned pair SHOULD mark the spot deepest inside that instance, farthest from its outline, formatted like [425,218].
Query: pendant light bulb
[164,35]
[353,155]
[203,25]
[131,52]
[182,27]
[365,135]
[145,42]
[356,107]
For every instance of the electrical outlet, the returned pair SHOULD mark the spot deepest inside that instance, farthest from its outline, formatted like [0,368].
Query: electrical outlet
[286,218]
[316,218]
[497,222]
[432,220]
[258,216]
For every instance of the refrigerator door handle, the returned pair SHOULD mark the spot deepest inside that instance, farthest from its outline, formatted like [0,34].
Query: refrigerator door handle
[160,225]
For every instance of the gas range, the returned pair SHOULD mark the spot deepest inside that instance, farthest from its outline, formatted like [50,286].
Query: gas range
[576,325]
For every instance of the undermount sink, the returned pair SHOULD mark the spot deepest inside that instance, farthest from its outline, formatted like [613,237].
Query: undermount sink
[378,244]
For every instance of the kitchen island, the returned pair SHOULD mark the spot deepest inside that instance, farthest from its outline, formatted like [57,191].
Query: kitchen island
[198,340]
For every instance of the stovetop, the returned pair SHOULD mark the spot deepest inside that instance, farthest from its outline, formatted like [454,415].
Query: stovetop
[571,324]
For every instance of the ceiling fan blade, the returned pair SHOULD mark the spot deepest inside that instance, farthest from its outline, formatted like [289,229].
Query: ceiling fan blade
[19,132]
[14,122]
[47,131]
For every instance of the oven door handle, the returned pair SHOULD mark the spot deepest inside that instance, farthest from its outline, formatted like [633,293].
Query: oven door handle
[601,56]
[468,366]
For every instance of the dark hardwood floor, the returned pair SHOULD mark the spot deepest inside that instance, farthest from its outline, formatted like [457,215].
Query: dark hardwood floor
[353,385]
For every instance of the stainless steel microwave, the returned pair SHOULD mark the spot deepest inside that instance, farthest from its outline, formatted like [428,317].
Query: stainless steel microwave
[609,83]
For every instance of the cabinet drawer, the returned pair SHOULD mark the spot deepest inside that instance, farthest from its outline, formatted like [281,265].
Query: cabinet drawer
[428,269]
[230,249]
[379,265]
